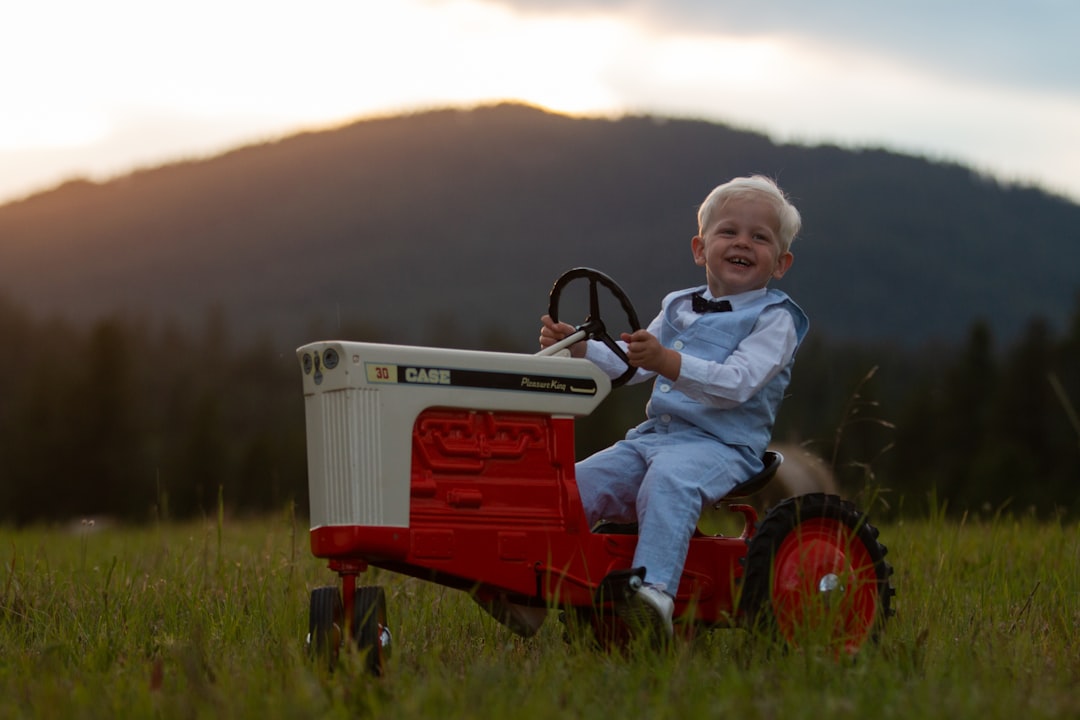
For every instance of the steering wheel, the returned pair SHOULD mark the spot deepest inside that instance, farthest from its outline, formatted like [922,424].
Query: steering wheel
[593,326]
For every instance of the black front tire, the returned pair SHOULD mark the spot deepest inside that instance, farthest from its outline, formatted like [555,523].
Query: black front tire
[370,632]
[325,619]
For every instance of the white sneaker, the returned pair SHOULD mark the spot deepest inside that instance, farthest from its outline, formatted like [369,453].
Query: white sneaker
[650,610]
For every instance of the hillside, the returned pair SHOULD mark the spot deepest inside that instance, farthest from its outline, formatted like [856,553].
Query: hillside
[450,227]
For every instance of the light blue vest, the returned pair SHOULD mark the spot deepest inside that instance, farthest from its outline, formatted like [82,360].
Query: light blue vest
[714,336]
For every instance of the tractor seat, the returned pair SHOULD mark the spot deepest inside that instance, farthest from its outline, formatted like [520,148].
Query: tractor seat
[772,461]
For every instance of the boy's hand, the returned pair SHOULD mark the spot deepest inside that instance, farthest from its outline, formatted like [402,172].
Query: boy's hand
[552,332]
[645,351]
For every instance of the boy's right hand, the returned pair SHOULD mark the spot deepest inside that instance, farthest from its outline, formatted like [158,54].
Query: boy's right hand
[552,332]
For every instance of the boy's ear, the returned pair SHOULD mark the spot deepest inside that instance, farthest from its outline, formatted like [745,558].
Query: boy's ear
[783,264]
[697,246]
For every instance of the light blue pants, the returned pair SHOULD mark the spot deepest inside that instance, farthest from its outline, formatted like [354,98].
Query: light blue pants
[662,478]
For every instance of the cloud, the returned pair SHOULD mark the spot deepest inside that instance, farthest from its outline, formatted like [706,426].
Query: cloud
[1029,43]
[988,84]
[123,83]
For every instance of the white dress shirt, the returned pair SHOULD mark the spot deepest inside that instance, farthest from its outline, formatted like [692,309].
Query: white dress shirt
[762,354]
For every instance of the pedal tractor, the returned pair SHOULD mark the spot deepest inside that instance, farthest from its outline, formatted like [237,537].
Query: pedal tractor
[457,467]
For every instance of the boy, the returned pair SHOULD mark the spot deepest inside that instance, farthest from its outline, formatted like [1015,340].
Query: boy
[721,355]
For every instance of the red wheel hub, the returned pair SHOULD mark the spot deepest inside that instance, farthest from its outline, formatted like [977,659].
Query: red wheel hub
[825,585]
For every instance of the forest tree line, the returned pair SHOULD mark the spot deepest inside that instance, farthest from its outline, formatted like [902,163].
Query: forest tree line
[143,422]
[980,427]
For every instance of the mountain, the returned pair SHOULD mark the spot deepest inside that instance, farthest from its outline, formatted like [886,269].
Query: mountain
[450,226]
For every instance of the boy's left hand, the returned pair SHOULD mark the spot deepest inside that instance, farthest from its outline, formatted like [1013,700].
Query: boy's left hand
[644,350]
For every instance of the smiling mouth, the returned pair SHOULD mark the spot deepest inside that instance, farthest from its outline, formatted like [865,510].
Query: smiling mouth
[741,262]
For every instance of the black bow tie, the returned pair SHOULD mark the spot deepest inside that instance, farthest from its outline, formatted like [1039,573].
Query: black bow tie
[701,305]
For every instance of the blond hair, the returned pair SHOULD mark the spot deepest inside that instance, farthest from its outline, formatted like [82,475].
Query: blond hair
[755,186]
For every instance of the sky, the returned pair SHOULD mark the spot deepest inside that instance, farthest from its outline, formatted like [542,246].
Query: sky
[97,89]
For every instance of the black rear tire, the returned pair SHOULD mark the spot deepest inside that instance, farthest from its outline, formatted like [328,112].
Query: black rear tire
[816,573]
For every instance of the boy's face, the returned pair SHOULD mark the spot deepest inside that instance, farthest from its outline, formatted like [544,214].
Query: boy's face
[740,247]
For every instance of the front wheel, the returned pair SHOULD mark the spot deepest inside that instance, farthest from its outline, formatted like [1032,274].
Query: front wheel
[369,629]
[369,633]
[325,619]
[815,573]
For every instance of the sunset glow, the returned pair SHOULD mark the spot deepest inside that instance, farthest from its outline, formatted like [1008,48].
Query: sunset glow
[106,87]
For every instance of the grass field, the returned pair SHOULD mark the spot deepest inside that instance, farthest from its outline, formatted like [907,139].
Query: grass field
[207,619]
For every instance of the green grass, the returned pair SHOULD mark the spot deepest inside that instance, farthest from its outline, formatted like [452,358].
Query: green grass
[207,619]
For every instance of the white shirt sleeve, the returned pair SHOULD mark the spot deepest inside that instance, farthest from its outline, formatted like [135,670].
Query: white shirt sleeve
[758,359]
[612,365]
